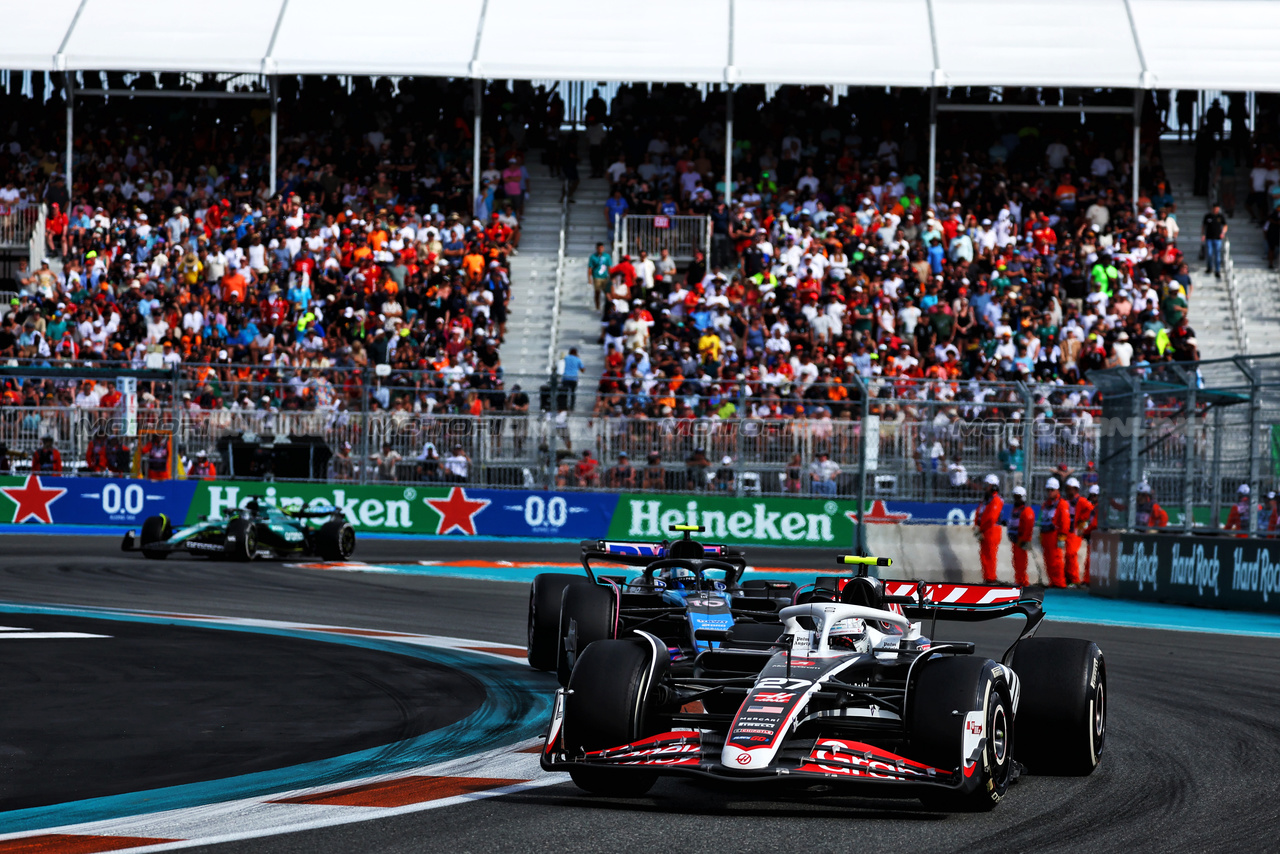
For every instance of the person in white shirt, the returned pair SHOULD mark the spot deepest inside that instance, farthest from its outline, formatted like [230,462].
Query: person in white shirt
[1057,154]
[777,343]
[457,465]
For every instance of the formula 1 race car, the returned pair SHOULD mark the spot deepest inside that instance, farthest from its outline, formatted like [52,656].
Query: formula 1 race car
[256,529]
[684,587]
[846,691]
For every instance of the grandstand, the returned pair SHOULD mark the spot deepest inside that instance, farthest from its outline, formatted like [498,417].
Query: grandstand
[928,240]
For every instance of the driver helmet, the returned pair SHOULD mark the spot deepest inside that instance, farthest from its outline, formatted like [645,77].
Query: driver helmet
[849,634]
[678,577]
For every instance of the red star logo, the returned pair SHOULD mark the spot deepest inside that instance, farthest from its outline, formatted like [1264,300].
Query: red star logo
[457,511]
[878,515]
[32,500]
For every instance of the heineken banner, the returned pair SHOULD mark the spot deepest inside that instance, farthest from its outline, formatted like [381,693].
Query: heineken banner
[1214,572]
[461,510]
[421,509]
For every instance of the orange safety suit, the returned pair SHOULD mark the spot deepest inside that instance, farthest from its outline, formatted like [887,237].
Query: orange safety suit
[987,524]
[1022,528]
[1081,510]
[1089,527]
[1055,523]
[1151,516]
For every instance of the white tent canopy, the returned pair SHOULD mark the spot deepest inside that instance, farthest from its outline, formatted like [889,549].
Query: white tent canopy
[1201,44]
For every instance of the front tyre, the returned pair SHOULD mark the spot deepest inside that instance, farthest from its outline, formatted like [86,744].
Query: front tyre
[612,702]
[336,540]
[242,540]
[156,529]
[1062,712]
[545,595]
[588,613]
[978,741]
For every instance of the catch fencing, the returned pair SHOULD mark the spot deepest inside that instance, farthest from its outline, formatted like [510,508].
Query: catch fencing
[1196,435]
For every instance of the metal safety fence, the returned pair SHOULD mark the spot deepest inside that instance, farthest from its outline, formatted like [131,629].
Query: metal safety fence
[1194,433]
[681,236]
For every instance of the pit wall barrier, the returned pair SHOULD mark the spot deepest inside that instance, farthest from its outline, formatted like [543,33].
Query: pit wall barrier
[1235,573]
[926,540]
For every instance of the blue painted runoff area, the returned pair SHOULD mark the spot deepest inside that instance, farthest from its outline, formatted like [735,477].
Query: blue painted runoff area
[517,707]
[1077,606]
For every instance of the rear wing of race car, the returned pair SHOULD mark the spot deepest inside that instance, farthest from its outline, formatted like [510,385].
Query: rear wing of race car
[945,600]
[644,552]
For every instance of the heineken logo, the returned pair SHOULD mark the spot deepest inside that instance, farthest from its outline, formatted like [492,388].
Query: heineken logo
[650,518]
[370,512]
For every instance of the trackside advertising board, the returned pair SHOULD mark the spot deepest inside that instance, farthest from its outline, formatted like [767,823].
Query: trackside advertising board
[460,510]
[422,509]
[1214,572]
[43,500]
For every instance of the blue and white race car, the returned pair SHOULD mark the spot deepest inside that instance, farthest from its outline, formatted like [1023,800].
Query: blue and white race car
[683,587]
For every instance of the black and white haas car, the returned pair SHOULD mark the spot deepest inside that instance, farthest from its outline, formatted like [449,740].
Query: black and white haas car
[846,691]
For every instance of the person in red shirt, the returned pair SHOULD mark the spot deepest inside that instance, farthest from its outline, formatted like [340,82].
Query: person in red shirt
[1022,527]
[1149,513]
[95,455]
[628,273]
[203,468]
[586,470]
[1080,509]
[47,460]
[1055,522]
[986,526]
[1238,518]
[1090,526]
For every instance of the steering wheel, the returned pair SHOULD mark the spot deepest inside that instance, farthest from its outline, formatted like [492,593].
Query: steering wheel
[698,566]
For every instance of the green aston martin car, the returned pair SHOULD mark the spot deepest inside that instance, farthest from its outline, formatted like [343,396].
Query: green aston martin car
[256,530]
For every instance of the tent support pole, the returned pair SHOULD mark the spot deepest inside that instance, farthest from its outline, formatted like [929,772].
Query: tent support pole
[71,100]
[275,133]
[477,97]
[1137,143]
[728,146]
[933,149]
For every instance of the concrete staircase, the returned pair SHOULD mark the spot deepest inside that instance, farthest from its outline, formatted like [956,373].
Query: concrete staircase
[533,280]
[1209,305]
[1257,286]
[579,323]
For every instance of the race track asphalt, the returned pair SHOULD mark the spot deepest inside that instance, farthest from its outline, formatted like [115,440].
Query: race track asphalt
[1193,739]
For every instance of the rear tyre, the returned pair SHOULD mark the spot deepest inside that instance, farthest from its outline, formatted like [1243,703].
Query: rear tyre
[611,702]
[588,613]
[545,595]
[336,540]
[945,740]
[242,540]
[1062,710]
[156,529]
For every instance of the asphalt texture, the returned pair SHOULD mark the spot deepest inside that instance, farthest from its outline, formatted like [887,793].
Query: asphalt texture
[150,705]
[1193,733]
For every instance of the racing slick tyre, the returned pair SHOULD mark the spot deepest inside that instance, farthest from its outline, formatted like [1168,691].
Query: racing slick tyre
[242,540]
[612,702]
[588,612]
[156,529]
[1062,710]
[940,735]
[335,540]
[545,595]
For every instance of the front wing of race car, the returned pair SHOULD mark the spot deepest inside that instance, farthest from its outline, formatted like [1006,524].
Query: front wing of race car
[189,539]
[698,753]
